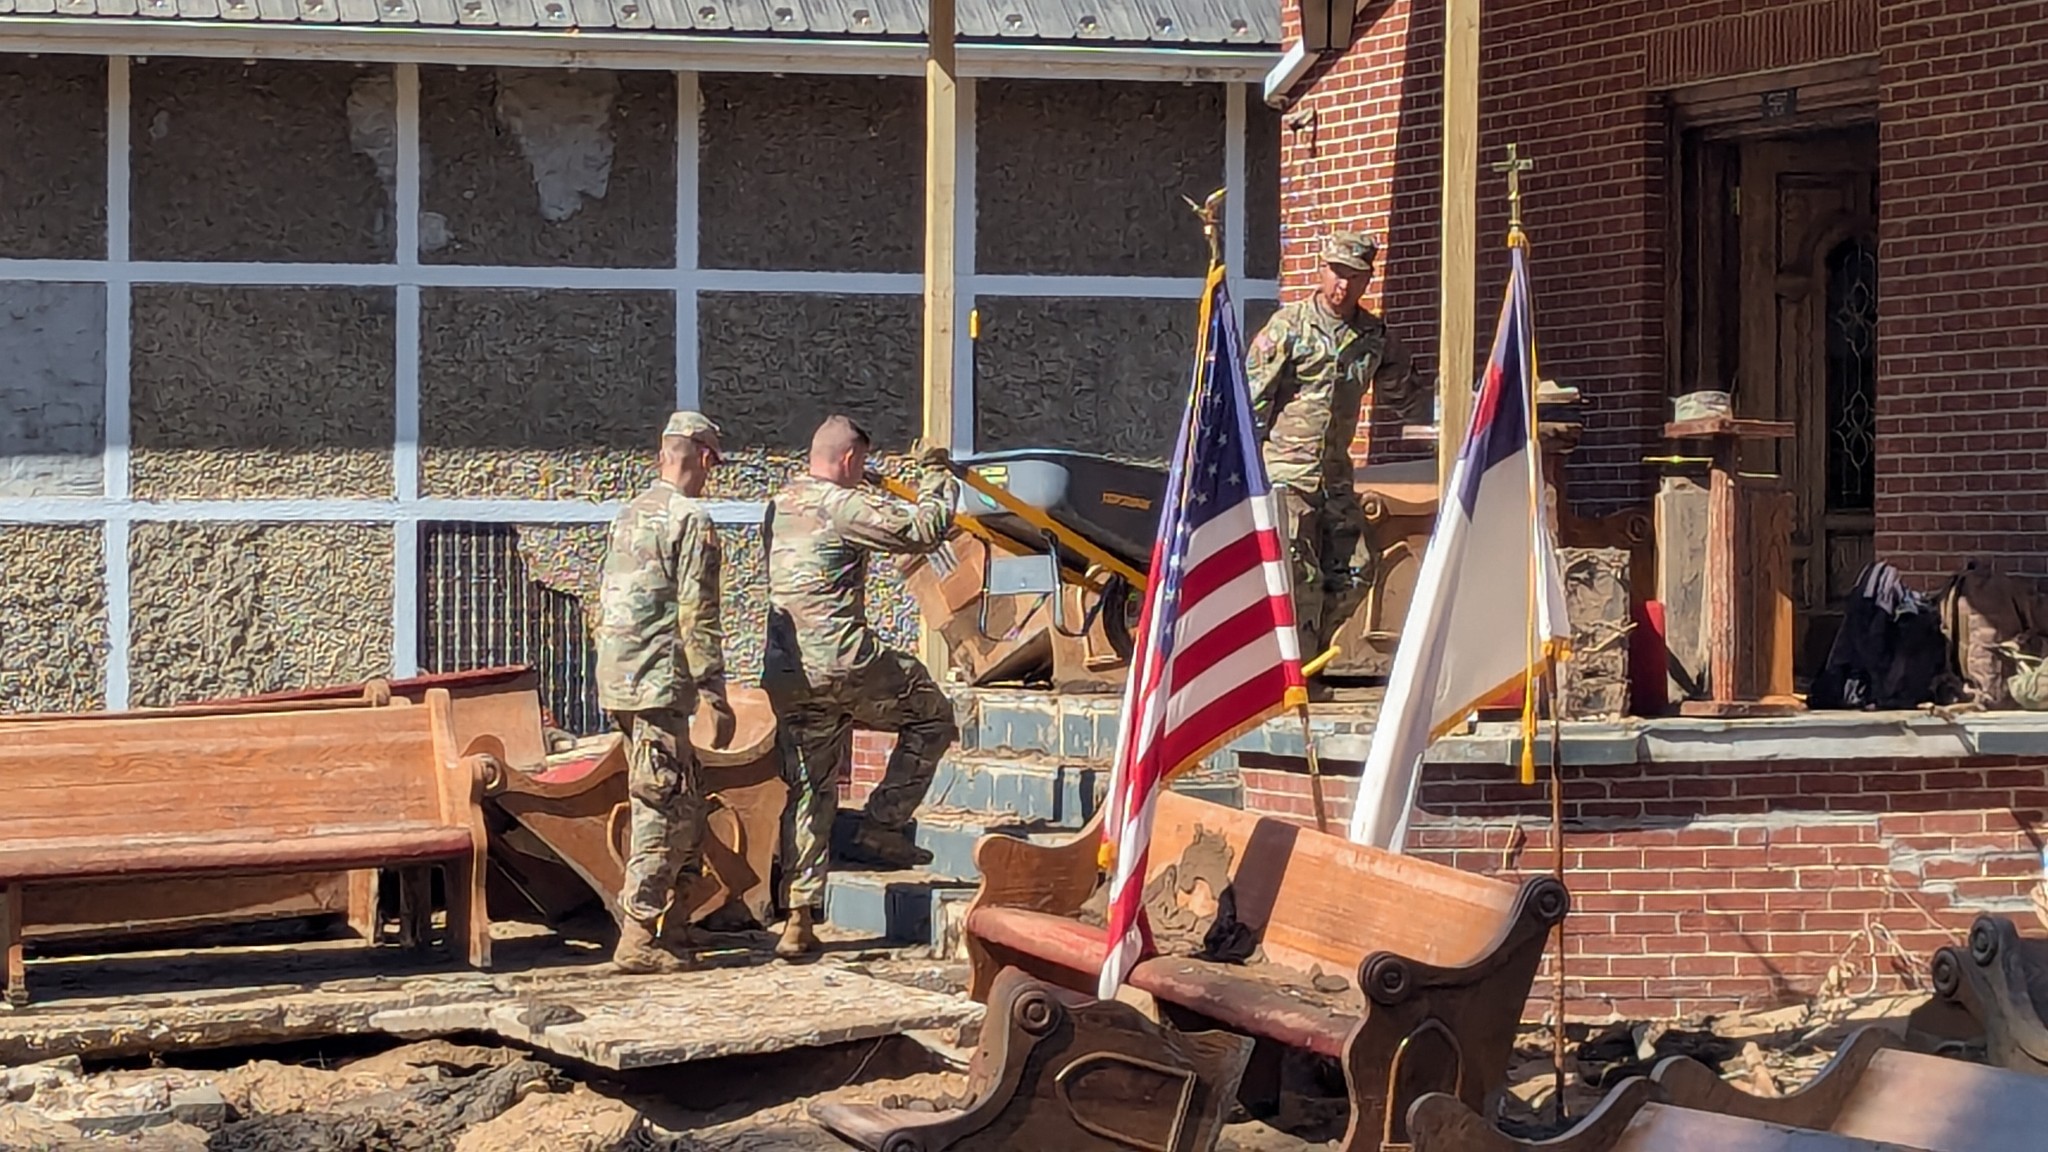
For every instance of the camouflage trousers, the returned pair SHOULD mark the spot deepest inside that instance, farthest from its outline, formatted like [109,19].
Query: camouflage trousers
[667,795]
[815,728]
[1333,563]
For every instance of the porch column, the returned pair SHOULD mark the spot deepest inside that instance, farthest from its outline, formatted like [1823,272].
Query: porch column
[941,170]
[1459,269]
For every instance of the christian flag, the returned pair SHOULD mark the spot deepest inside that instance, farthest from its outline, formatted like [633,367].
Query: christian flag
[1489,604]
[1216,653]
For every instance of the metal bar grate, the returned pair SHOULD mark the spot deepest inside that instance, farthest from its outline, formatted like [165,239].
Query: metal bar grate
[479,608]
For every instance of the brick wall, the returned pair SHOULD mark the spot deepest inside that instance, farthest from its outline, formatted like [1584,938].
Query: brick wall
[1963,283]
[1710,887]
[1575,86]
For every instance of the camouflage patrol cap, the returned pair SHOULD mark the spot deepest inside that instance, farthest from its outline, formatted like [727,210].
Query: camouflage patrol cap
[696,426]
[1350,249]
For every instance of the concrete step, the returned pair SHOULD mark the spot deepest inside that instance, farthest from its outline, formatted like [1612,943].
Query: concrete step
[894,905]
[1023,790]
[1074,729]
[950,835]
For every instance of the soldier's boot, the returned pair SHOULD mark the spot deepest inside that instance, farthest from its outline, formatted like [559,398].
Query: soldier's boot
[891,846]
[799,934]
[639,954]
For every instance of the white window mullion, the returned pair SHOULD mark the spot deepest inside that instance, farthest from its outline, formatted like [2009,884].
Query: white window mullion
[405,449]
[114,422]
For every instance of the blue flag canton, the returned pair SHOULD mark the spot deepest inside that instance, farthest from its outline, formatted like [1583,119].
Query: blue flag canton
[1220,459]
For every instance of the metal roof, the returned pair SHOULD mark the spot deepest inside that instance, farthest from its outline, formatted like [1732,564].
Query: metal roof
[1250,24]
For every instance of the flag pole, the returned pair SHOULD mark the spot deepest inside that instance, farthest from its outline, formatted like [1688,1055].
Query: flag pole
[1210,213]
[1514,166]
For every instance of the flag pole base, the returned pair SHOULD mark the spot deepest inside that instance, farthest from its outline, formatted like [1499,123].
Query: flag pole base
[1315,770]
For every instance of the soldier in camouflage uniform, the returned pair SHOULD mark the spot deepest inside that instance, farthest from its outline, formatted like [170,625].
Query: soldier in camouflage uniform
[827,671]
[660,646]
[1310,367]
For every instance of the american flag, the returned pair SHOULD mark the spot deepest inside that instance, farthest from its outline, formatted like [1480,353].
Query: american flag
[1217,653]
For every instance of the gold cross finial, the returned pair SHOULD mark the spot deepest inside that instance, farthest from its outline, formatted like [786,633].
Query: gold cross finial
[1514,166]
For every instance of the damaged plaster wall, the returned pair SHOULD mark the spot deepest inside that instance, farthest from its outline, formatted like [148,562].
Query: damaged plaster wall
[1092,375]
[532,394]
[53,381]
[1086,176]
[528,166]
[53,197]
[813,173]
[53,602]
[235,161]
[262,392]
[230,609]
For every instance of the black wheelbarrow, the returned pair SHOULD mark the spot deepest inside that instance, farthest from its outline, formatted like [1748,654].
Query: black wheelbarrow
[1050,517]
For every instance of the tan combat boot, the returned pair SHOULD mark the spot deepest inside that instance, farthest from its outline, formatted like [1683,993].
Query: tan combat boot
[799,934]
[637,953]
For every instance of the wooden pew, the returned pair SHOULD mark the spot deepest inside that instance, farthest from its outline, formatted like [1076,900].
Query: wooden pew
[312,790]
[2000,982]
[576,809]
[1632,1118]
[499,705]
[1434,964]
[1873,1089]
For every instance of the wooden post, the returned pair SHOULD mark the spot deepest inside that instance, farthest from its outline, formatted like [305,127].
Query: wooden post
[1460,257]
[941,151]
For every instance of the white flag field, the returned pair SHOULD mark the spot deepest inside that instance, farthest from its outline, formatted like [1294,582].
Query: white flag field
[1489,604]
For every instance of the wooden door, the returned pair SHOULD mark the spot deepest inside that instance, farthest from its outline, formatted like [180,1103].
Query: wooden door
[1807,215]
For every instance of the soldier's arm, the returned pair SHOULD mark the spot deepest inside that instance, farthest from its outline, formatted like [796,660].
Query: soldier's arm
[699,617]
[1265,367]
[881,523]
[1396,387]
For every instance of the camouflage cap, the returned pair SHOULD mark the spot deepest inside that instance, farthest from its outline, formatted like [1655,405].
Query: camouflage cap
[696,426]
[1350,249]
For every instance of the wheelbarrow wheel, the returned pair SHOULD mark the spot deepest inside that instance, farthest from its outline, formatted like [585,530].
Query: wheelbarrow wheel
[1120,611]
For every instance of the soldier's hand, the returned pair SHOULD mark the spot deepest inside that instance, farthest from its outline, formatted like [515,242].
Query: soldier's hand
[930,456]
[724,723]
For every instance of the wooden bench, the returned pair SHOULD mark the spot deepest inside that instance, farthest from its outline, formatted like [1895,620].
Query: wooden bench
[1424,969]
[1999,982]
[270,792]
[1872,1095]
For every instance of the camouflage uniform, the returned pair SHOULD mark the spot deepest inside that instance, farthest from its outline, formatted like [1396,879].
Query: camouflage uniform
[660,643]
[1309,371]
[826,671]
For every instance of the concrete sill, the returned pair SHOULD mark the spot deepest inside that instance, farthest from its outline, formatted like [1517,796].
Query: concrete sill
[1820,736]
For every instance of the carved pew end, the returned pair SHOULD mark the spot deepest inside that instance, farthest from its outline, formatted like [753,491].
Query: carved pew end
[1060,1070]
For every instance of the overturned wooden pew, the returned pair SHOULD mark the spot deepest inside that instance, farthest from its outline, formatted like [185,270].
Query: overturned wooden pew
[1409,975]
[1998,980]
[124,798]
[574,810]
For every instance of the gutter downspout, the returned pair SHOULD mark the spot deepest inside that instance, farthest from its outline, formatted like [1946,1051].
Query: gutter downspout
[1286,74]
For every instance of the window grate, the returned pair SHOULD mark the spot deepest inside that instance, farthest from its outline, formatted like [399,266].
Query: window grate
[480,608]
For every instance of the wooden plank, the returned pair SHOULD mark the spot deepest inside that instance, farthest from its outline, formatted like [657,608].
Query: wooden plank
[1458,312]
[1729,426]
[647,1022]
[941,237]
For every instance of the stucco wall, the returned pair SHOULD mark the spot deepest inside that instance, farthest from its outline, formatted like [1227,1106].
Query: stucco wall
[243,392]
[543,395]
[547,166]
[235,161]
[834,165]
[53,602]
[53,150]
[230,609]
[53,388]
